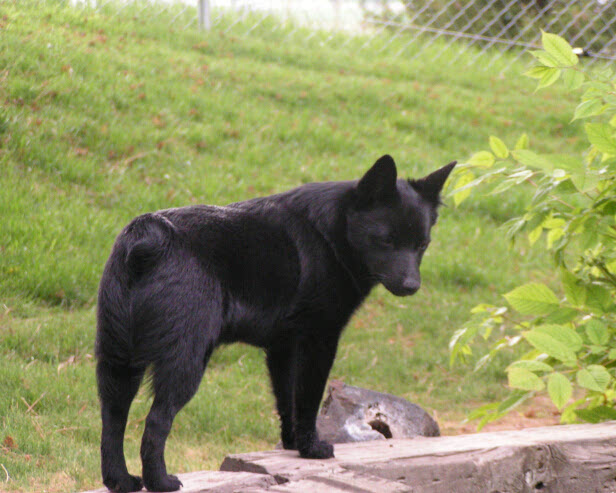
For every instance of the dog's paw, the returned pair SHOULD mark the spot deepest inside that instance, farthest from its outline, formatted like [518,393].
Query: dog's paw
[125,484]
[166,483]
[289,443]
[318,450]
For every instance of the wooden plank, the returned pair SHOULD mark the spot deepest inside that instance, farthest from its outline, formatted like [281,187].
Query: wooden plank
[342,482]
[575,458]
[559,459]
[218,482]
[561,467]
[283,465]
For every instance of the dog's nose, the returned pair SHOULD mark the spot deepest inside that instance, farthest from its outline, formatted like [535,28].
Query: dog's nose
[410,285]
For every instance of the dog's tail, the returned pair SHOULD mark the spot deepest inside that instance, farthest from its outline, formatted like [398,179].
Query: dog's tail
[137,250]
[146,240]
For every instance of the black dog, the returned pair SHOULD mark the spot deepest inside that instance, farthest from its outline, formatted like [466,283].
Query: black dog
[283,273]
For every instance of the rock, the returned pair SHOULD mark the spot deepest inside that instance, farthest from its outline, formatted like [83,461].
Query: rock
[352,414]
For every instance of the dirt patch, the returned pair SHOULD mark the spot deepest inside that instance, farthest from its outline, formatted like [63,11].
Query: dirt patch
[539,411]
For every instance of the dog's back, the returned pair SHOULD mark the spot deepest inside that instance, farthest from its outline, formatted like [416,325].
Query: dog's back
[238,264]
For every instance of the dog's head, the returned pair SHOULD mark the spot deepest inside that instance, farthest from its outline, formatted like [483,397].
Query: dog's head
[389,223]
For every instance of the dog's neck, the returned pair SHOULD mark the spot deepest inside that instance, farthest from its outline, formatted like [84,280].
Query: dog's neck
[327,214]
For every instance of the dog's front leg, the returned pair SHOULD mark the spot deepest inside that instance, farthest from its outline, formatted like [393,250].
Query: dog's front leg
[280,363]
[316,353]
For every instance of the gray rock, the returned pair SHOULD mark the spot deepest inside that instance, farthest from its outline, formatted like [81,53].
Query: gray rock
[352,414]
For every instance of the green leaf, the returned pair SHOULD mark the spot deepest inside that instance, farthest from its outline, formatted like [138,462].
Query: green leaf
[567,162]
[458,345]
[533,354]
[519,378]
[498,147]
[533,299]
[573,80]
[511,182]
[552,222]
[530,365]
[514,226]
[568,413]
[604,72]
[533,160]
[544,58]
[595,377]
[601,375]
[482,308]
[559,389]
[589,237]
[535,234]
[585,379]
[597,332]
[553,236]
[574,290]
[564,334]
[483,361]
[522,142]
[596,88]
[514,400]
[551,76]
[596,414]
[559,49]
[561,316]
[588,108]
[482,411]
[612,354]
[520,176]
[601,135]
[537,72]
[599,299]
[462,195]
[549,345]
[598,349]
[464,335]
[586,182]
[494,411]
[482,159]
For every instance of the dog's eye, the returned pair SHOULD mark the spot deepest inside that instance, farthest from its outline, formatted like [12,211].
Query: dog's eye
[424,246]
[387,239]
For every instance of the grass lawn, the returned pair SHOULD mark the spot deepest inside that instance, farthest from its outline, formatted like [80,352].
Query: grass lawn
[107,116]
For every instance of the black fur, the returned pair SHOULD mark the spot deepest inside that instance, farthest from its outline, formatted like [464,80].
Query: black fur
[283,273]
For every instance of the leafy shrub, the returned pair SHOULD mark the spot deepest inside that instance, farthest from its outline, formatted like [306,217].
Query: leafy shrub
[568,339]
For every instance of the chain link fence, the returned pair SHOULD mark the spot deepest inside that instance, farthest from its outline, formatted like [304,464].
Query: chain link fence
[482,30]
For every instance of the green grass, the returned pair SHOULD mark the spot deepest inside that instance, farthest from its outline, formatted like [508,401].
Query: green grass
[106,116]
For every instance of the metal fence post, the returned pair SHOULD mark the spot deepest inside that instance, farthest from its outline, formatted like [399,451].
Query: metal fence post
[205,19]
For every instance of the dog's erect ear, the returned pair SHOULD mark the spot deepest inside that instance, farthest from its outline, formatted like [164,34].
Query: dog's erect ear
[429,187]
[379,182]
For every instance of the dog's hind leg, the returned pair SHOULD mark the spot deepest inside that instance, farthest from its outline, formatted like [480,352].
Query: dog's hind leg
[175,381]
[117,387]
